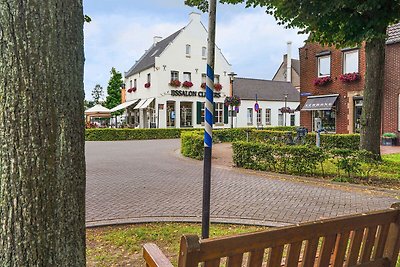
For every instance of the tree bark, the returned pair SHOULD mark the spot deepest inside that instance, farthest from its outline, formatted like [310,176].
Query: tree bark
[373,95]
[42,162]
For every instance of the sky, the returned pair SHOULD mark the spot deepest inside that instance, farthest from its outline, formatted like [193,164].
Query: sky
[121,31]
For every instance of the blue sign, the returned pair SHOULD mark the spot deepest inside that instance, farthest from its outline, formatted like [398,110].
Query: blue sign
[305,94]
[256,107]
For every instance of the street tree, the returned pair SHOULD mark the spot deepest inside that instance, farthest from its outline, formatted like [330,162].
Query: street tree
[114,89]
[42,160]
[342,23]
[97,93]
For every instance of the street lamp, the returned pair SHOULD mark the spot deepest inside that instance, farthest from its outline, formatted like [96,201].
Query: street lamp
[231,78]
[286,96]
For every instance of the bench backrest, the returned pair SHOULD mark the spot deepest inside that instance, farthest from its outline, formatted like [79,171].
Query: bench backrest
[369,239]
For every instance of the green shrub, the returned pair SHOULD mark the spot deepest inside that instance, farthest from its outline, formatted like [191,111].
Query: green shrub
[109,134]
[192,144]
[333,141]
[346,160]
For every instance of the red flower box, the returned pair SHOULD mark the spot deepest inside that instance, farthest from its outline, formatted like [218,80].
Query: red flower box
[322,81]
[131,90]
[147,85]
[187,84]
[175,83]
[203,85]
[218,86]
[350,77]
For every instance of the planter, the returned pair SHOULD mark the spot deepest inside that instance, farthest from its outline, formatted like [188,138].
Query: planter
[387,141]
[175,83]
[350,77]
[147,85]
[187,84]
[322,81]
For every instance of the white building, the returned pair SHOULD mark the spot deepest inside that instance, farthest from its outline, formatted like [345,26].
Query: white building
[152,102]
[272,98]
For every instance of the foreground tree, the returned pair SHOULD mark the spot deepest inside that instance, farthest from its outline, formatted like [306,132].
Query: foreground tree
[342,23]
[114,89]
[42,162]
[97,93]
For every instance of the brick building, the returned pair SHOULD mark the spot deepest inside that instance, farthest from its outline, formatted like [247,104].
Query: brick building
[332,83]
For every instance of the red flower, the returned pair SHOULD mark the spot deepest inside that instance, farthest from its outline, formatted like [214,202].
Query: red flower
[133,89]
[147,85]
[218,86]
[187,84]
[130,90]
[175,83]
[349,77]
[322,81]
[203,85]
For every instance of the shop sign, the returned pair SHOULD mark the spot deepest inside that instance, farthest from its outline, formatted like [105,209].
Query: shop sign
[192,93]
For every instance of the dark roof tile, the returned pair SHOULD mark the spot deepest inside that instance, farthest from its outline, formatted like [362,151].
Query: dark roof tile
[393,34]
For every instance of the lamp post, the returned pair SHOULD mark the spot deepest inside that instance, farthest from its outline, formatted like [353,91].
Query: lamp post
[286,96]
[231,78]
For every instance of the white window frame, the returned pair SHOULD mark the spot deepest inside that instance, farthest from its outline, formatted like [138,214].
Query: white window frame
[204,52]
[187,77]
[249,116]
[188,50]
[174,75]
[148,77]
[259,117]
[216,78]
[202,112]
[355,51]
[268,116]
[135,83]
[219,110]
[294,119]
[319,58]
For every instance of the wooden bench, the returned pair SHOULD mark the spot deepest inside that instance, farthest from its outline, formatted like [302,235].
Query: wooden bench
[368,239]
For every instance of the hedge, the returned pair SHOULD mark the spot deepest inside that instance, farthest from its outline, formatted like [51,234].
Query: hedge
[192,144]
[109,134]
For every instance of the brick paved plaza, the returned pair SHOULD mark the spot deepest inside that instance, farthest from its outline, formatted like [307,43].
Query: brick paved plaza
[145,181]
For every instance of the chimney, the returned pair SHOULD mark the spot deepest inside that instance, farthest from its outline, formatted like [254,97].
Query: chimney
[289,62]
[156,39]
[194,17]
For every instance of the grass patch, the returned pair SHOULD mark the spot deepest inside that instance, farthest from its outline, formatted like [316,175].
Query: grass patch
[122,245]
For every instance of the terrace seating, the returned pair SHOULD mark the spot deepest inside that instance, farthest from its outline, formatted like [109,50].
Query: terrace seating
[368,239]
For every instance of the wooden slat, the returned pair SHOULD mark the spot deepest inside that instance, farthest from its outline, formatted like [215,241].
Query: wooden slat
[381,241]
[340,249]
[392,247]
[327,247]
[292,258]
[212,263]
[220,247]
[235,260]
[256,258]
[154,256]
[355,244]
[275,256]
[189,251]
[366,252]
[309,252]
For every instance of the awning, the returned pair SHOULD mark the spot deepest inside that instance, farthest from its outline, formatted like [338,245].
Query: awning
[124,105]
[321,102]
[144,103]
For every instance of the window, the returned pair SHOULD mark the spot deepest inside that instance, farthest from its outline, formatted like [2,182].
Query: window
[259,117]
[327,118]
[130,84]
[187,76]
[216,78]
[249,116]
[350,61]
[174,75]
[188,48]
[202,111]
[204,52]
[203,78]
[292,120]
[280,119]
[219,113]
[324,66]
[268,116]
[149,78]
[134,83]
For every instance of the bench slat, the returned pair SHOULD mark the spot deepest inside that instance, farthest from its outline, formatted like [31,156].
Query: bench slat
[235,260]
[355,244]
[327,247]
[340,250]
[154,257]
[293,254]
[309,252]
[275,256]
[256,258]
[381,241]
[212,263]
[368,244]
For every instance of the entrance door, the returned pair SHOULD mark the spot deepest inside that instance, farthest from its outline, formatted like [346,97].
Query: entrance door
[358,103]
[186,114]
[171,114]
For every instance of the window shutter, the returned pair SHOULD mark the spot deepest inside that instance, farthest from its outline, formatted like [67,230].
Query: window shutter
[198,112]
[225,114]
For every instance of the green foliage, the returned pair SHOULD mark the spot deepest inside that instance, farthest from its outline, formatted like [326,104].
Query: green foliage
[346,160]
[97,93]
[114,90]
[192,144]
[331,141]
[108,134]
[389,135]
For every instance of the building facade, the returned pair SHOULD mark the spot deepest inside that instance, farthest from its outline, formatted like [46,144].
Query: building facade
[166,86]
[332,83]
[291,66]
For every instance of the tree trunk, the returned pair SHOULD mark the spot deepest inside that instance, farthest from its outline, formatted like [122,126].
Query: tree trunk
[42,163]
[373,95]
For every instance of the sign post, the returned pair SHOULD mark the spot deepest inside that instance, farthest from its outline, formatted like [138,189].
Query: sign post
[256,109]
[208,121]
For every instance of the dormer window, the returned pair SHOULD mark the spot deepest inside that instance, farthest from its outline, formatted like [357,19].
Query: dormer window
[350,61]
[188,50]
[324,65]
[204,52]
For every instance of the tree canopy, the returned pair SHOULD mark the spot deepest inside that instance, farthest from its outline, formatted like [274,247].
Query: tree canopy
[97,93]
[114,89]
[337,22]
